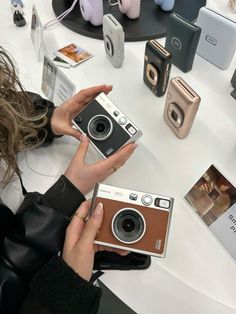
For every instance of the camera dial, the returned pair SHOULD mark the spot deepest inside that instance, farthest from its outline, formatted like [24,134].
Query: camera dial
[128,225]
[146,199]
[100,127]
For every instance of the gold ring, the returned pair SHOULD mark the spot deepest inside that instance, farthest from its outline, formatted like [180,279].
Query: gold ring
[77,214]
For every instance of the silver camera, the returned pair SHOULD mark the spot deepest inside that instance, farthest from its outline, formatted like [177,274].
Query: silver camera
[107,127]
[113,36]
[133,220]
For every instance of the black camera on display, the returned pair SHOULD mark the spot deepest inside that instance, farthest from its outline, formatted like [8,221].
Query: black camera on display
[157,65]
[106,126]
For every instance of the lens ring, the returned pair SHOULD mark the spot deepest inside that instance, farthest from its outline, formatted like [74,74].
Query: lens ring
[175,114]
[128,225]
[100,127]
[152,74]
[108,46]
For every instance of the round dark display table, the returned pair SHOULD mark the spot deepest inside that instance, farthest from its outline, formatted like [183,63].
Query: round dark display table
[151,23]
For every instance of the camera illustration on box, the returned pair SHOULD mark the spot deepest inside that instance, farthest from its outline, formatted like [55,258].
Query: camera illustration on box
[133,220]
[157,65]
[107,127]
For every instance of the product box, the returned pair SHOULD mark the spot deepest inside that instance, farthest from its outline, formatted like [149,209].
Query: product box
[213,197]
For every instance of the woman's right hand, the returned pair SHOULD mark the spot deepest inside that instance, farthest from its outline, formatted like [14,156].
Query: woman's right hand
[84,176]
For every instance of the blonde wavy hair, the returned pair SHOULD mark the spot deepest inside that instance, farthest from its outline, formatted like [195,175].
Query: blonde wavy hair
[19,123]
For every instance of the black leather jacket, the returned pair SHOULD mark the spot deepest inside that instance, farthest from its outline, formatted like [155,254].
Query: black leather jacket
[33,278]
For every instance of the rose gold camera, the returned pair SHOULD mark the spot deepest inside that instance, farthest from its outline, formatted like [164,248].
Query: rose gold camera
[181,107]
[133,220]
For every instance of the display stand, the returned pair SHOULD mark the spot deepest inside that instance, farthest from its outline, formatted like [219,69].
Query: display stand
[151,23]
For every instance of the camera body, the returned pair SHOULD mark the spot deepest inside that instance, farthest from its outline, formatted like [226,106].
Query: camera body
[92,11]
[232,5]
[17,11]
[157,65]
[130,7]
[181,106]
[107,127]
[233,82]
[217,42]
[233,79]
[133,220]
[113,36]
[181,40]
[166,5]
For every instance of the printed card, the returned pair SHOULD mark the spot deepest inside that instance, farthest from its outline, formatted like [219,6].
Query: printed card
[213,197]
[55,84]
[37,34]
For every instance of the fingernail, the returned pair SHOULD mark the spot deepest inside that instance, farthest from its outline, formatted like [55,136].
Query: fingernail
[83,137]
[135,145]
[98,210]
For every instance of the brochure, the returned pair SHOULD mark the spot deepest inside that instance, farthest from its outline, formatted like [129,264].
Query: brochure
[213,197]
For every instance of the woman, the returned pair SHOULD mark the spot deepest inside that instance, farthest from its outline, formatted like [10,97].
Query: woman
[32,228]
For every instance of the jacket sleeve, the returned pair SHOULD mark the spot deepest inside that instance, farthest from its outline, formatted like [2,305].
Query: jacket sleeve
[57,289]
[36,235]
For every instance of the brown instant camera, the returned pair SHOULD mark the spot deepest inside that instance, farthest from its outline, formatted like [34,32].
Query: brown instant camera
[133,220]
[181,106]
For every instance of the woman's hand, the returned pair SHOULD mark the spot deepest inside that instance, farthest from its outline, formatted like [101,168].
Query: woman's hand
[61,121]
[85,176]
[79,247]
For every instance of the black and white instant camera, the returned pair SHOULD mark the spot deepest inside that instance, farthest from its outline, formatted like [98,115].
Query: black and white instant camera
[113,36]
[107,127]
[157,65]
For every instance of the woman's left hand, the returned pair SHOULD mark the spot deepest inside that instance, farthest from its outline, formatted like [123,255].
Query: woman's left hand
[61,122]
[79,247]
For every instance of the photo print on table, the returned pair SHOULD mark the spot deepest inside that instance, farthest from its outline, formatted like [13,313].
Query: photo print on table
[73,54]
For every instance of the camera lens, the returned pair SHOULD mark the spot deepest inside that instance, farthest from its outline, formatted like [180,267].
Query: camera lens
[152,74]
[174,115]
[108,46]
[128,225]
[100,127]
